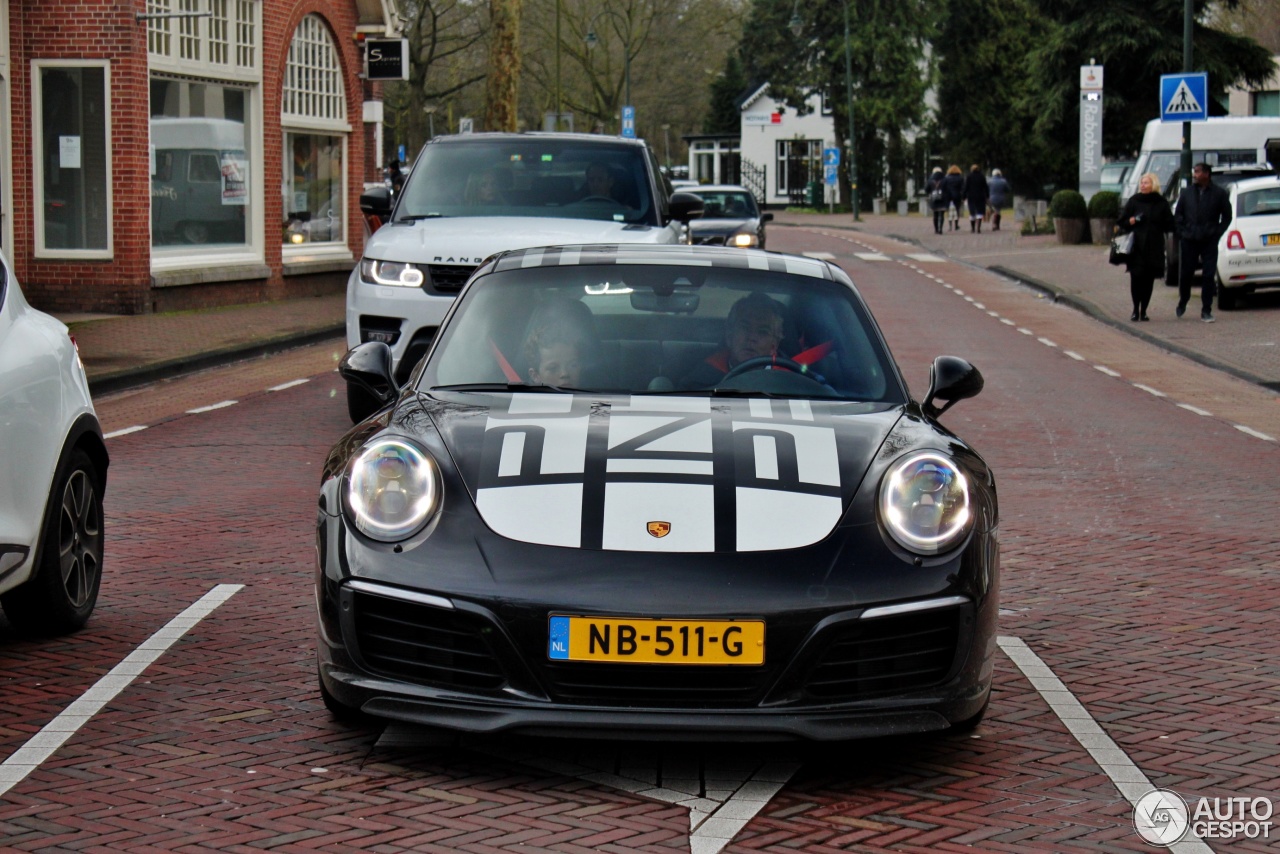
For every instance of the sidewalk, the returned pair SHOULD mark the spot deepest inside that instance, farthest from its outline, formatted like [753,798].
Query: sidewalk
[1244,343]
[124,351]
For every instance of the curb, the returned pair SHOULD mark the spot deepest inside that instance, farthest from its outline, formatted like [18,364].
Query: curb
[143,374]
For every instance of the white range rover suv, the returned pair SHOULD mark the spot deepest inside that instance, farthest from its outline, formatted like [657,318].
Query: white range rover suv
[53,472]
[472,195]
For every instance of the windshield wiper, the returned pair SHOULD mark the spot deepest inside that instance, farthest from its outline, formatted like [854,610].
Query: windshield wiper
[520,387]
[416,217]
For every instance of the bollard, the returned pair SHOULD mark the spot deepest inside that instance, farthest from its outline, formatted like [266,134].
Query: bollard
[878,207]
[925,208]
[904,207]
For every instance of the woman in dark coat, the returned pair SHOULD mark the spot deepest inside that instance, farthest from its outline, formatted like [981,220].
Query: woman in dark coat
[1148,217]
[953,190]
[937,198]
[976,194]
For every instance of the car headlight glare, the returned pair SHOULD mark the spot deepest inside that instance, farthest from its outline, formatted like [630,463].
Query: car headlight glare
[924,502]
[396,273]
[746,239]
[393,488]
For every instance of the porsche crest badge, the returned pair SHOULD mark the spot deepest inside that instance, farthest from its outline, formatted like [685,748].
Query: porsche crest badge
[658,529]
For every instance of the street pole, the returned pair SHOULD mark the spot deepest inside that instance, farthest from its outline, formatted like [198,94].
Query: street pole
[1188,24]
[558,107]
[666,140]
[848,85]
[626,46]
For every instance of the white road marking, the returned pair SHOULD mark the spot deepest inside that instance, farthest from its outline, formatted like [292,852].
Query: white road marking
[959,292]
[871,256]
[722,795]
[289,384]
[43,744]
[1046,342]
[1025,331]
[1254,433]
[968,299]
[1073,354]
[1106,370]
[1113,761]
[820,256]
[979,305]
[926,258]
[995,314]
[126,431]
[211,407]
[1197,410]
[1149,390]
[1006,321]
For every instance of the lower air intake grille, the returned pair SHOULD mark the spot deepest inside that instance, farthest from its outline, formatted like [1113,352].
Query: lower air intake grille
[418,643]
[888,655]
[655,685]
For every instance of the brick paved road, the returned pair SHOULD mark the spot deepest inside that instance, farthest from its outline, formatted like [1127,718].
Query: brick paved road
[1140,558]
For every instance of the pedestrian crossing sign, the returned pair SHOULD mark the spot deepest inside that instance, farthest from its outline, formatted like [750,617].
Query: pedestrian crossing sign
[1184,97]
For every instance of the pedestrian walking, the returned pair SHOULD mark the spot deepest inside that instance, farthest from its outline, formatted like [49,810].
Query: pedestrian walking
[1202,217]
[976,194]
[953,188]
[999,189]
[1148,218]
[395,177]
[937,198]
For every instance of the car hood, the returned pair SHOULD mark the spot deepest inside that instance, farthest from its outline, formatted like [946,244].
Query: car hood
[719,226]
[469,240]
[659,473]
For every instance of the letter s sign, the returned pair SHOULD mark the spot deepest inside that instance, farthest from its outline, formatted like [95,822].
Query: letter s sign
[386,59]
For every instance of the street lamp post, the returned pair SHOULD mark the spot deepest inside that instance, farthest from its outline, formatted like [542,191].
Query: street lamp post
[666,139]
[626,46]
[797,27]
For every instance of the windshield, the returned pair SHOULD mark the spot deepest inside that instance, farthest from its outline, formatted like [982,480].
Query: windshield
[646,328]
[727,204]
[538,177]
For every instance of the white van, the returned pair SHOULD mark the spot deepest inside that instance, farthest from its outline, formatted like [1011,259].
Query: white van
[1223,142]
[475,194]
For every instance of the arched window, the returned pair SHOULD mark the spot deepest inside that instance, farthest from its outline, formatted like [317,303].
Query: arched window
[313,115]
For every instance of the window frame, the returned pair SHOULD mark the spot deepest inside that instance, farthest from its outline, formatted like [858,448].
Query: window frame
[40,249]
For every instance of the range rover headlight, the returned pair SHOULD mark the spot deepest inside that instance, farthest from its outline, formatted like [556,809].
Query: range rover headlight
[924,502]
[396,273]
[392,490]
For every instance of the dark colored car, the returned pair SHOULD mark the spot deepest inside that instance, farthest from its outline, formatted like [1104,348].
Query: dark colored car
[1225,179]
[593,510]
[730,217]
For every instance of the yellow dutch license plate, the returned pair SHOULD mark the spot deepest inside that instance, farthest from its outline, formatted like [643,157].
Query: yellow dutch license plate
[1271,240]
[646,641]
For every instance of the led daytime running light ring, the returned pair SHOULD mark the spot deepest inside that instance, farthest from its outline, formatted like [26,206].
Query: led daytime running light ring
[924,488]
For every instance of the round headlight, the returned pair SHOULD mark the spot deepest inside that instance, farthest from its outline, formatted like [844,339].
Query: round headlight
[393,488]
[924,502]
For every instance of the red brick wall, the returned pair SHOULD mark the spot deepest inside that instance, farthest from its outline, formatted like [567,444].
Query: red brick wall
[105,29]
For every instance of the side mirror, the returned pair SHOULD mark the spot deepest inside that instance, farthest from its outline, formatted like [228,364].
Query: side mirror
[376,202]
[951,379]
[686,206]
[767,216]
[368,366]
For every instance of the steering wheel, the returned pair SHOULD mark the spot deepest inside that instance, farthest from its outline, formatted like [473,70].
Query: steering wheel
[599,199]
[761,363]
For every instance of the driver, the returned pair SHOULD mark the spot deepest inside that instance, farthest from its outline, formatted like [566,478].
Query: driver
[599,183]
[753,329]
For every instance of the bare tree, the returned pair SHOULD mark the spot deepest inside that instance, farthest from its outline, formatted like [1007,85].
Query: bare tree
[504,65]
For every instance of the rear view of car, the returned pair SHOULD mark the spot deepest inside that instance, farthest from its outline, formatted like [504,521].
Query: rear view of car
[53,472]
[473,195]
[1249,253]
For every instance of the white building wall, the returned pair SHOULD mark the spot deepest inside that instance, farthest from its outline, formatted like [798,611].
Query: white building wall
[1240,101]
[764,122]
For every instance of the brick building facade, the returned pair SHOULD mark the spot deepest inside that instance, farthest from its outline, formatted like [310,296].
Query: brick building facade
[173,154]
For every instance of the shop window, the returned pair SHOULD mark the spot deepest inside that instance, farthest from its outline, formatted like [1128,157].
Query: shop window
[73,163]
[314,115]
[200,165]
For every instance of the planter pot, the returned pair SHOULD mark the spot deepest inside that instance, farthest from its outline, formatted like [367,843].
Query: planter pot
[1101,230]
[1070,231]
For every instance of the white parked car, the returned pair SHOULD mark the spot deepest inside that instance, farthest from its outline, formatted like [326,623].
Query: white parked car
[1249,253]
[53,472]
[473,195]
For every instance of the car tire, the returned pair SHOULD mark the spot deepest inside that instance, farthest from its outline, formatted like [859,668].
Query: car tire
[971,723]
[360,403]
[340,711]
[61,594]
[1226,297]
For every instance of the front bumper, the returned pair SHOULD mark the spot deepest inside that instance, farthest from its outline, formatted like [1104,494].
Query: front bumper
[912,668]
[406,319]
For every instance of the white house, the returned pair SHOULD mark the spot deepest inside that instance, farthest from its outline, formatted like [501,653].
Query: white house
[777,153]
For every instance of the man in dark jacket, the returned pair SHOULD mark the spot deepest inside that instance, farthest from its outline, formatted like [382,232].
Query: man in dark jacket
[1202,217]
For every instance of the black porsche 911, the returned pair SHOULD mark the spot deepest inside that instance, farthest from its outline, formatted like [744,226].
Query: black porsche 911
[648,491]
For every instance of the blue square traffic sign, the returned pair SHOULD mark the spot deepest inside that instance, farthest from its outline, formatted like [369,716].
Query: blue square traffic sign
[1184,97]
[831,157]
